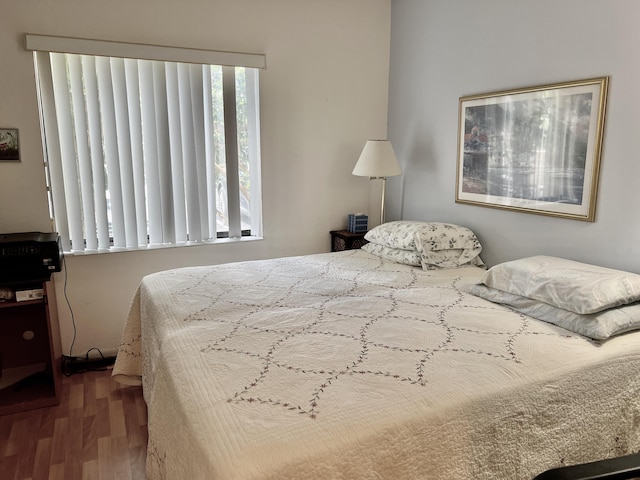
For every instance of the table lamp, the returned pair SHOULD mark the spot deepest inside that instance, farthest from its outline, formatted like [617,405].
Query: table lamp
[378,161]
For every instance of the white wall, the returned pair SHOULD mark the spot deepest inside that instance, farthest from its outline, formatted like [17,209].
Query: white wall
[323,94]
[442,50]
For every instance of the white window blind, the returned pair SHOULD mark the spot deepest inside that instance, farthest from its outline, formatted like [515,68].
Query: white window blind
[144,152]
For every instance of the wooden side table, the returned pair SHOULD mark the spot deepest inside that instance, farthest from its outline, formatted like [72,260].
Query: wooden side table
[346,240]
[30,353]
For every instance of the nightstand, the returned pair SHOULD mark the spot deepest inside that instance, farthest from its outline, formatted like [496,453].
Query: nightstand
[346,240]
[30,351]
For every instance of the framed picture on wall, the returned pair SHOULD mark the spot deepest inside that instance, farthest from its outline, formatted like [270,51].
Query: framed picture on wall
[9,146]
[534,150]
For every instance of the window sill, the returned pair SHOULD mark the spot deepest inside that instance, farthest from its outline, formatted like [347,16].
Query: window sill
[219,241]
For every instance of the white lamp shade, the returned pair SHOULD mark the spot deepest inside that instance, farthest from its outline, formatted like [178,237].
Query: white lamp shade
[377,160]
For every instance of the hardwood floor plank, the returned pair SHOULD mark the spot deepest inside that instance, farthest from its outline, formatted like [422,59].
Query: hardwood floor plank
[106,465]
[26,457]
[62,410]
[15,442]
[76,399]
[90,406]
[89,439]
[135,434]
[61,434]
[57,472]
[90,469]
[8,466]
[74,445]
[141,408]
[97,432]
[120,459]
[72,467]
[116,419]
[42,459]
[102,387]
[138,460]
[5,426]
[103,424]
[47,422]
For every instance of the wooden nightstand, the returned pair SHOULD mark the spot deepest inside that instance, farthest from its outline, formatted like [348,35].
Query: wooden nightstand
[30,351]
[346,240]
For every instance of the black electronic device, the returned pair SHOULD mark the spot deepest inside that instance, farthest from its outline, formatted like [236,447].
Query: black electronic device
[29,257]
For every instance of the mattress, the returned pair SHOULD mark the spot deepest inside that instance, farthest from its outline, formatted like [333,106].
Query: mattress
[348,366]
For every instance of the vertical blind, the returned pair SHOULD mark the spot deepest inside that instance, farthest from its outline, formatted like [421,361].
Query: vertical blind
[146,152]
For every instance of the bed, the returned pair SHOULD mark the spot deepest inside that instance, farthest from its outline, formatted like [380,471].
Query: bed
[366,364]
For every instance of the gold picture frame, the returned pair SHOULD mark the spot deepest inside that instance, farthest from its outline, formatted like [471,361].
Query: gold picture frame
[534,150]
[9,145]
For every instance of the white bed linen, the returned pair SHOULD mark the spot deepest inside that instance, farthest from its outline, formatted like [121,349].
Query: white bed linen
[345,365]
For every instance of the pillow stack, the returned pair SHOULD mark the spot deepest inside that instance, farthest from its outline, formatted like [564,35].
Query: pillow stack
[593,301]
[431,245]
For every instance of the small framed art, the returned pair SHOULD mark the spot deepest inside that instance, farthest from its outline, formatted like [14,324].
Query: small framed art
[534,150]
[9,145]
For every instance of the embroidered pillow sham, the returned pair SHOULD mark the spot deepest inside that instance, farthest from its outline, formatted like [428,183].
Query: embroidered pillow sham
[398,255]
[438,245]
[398,234]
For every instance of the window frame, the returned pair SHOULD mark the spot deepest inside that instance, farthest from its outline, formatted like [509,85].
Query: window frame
[43,46]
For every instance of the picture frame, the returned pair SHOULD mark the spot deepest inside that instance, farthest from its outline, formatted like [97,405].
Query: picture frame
[534,150]
[9,145]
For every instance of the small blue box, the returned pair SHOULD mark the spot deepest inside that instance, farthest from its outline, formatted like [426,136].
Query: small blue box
[357,223]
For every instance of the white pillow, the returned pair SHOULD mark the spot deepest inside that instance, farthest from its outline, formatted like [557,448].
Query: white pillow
[399,234]
[598,326]
[398,255]
[574,286]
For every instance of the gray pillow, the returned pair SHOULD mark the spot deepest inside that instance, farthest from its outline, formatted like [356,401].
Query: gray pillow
[574,286]
[598,326]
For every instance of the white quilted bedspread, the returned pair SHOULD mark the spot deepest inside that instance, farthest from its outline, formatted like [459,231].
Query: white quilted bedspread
[347,366]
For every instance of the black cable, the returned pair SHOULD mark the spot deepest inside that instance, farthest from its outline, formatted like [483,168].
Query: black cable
[71,364]
[73,320]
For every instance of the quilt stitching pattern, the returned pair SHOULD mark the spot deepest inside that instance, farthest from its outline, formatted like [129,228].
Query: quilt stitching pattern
[260,288]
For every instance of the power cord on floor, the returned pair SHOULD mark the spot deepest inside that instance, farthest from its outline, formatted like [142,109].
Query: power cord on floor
[73,365]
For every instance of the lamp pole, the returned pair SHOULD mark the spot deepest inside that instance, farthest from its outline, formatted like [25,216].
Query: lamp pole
[384,188]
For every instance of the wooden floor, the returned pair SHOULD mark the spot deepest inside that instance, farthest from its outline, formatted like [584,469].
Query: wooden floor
[98,432]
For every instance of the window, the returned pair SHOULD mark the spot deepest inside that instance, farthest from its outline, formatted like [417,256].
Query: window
[148,146]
